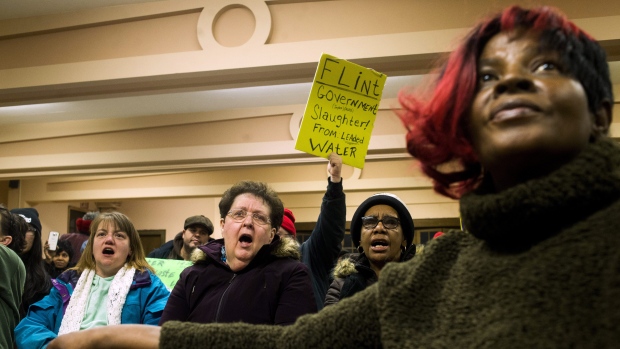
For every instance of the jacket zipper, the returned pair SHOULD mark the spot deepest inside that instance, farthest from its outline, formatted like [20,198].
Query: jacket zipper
[219,304]
[193,289]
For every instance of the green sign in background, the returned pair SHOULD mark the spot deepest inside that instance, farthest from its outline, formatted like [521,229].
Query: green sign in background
[168,270]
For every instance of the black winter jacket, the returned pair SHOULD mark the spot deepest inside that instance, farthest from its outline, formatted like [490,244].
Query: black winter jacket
[275,288]
[353,274]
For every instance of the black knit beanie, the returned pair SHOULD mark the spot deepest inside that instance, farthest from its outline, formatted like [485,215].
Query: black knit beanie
[406,221]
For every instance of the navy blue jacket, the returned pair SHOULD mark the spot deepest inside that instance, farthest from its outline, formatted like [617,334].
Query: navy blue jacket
[321,249]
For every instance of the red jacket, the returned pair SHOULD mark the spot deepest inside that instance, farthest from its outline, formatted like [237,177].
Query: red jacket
[275,288]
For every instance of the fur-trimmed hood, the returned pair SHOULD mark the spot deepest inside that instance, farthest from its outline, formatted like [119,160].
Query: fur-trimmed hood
[279,247]
[344,268]
[355,262]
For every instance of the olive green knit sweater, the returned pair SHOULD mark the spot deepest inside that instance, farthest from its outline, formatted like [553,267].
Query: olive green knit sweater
[539,268]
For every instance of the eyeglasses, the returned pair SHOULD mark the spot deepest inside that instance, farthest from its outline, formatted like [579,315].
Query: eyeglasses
[370,222]
[240,215]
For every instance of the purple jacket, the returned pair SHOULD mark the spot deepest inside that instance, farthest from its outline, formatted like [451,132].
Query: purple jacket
[275,288]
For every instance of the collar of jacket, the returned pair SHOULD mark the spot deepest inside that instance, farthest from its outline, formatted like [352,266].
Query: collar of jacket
[352,264]
[358,262]
[522,216]
[279,248]
[140,278]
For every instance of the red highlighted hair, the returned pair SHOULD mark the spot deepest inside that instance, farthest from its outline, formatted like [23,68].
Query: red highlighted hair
[437,134]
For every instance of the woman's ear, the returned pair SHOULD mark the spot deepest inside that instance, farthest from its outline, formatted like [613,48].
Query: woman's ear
[602,119]
[6,240]
[273,233]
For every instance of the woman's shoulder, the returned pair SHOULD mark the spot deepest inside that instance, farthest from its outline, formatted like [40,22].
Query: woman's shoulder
[9,257]
[282,255]
[69,276]
[147,281]
[210,251]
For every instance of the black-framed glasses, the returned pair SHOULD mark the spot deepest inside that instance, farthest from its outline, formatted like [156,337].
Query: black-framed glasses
[370,222]
[240,214]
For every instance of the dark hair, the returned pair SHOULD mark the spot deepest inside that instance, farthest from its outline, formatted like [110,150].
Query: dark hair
[15,226]
[65,246]
[436,126]
[38,283]
[260,190]
[177,245]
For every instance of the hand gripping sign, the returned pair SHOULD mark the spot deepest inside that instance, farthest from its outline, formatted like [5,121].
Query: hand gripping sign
[341,110]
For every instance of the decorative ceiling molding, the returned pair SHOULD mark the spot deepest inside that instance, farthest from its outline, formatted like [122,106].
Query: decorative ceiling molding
[214,8]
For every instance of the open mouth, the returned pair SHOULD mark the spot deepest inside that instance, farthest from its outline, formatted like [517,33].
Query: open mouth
[245,240]
[379,245]
[108,251]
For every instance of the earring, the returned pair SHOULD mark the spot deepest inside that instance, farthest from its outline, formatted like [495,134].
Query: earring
[360,249]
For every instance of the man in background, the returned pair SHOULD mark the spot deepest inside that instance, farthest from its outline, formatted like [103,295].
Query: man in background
[196,231]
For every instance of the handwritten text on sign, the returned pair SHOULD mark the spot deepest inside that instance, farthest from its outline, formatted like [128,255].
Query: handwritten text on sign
[168,270]
[341,110]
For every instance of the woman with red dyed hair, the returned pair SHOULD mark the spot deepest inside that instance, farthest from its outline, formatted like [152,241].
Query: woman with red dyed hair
[516,128]
[438,125]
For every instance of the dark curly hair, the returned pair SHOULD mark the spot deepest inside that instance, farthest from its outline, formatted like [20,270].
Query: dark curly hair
[65,246]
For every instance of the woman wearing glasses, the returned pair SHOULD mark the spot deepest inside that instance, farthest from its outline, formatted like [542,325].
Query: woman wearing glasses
[382,231]
[251,275]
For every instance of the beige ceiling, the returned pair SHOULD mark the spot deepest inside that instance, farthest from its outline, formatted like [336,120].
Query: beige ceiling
[35,107]
[10,9]
[130,67]
[131,100]
[290,87]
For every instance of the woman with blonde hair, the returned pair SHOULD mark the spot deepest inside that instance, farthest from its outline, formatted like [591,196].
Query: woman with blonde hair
[111,284]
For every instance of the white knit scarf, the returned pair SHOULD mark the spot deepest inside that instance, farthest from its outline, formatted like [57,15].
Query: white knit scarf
[117,294]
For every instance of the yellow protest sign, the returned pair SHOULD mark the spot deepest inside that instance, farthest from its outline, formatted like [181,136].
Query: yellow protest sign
[168,270]
[341,110]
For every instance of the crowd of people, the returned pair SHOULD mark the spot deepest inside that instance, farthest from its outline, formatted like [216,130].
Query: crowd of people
[257,273]
[515,128]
